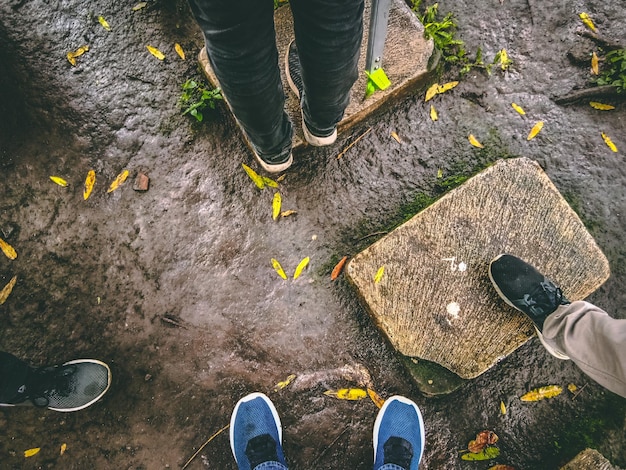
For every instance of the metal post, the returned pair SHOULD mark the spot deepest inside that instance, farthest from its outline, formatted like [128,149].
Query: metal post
[379,17]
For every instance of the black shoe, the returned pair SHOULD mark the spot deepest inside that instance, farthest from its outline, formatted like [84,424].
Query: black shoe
[69,387]
[261,449]
[398,451]
[293,72]
[524,288]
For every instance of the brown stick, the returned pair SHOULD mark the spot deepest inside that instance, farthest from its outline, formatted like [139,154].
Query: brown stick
[204,445]
[329,446]
[353,143]
[605,91]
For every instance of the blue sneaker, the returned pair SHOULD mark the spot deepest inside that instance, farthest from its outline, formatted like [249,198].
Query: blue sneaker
[398,435]
[255,433]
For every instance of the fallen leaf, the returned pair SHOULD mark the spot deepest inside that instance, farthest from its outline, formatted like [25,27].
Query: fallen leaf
[284,383]
[505,62]
[501,467]
[379,274]
[587,21]
[288,213]
[483,439]
[535,130]
[502,408]
[7,249]
[395,135]
[63,448]
[71,56]
[376,398]
[179,50]
[254,176]
[280,178]
[433,113]
[31,452]
[594,64]
[601,106]
[276,202]
[474,141]
[347,393]
[446,87]
[90,181]
[104,23]
[572,388]
[338,268]
[431,92]
[303,264]
[549,391]
[439,173]
[58,180]
[518,109]
[609,142]
[279,269]
[139,6]
[487,453]
[269,182]
[6,291]
[155,52]
[118,181]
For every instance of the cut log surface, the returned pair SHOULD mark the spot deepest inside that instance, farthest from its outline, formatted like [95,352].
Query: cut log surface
[435,300]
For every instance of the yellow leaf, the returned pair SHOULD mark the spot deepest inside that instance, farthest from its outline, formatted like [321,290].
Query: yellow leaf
[31,452]
[179,51]
[594,64]
[502,408]
[269,182]
[58,180]
[303,264]
[549,391]
[609,142]
[395,135]
[284,383]
[474,141]
[587,21]
[71,56]
[7,249]
[535,130]
[601,106]
[431,92]
[288,213]
[118,181]
[572,388]
[6,291]
[376,398]
[155,52]
[446,86]
[279,269]
[139,6]
[104,23]
[379,274]
[505,62]
[439,173]
[276,206]
[518,109]
[90,181]
[433,113]
[347,393]
[63,448]
[258,180]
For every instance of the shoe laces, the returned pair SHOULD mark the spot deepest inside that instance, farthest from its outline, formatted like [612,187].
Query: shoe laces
[48,380]
[398,451]
[261,449]
[544,299]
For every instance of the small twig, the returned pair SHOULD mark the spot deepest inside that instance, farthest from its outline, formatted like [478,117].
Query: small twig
[579,391]
[602,41]
[172,321]
[595,92]
[372,235]
[204,445]
[353,143]
[329,446]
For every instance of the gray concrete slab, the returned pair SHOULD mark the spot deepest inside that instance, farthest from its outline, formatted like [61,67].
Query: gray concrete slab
[435,300]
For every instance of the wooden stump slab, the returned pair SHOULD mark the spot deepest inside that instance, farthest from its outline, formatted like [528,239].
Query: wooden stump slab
[589,459]
[435,300]
[405,61]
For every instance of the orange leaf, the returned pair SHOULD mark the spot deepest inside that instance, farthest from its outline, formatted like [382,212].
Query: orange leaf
[338,267]
[376,398]
[6,291]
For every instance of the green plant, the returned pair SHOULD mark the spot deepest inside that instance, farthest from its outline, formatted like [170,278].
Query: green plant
[615,74]
[196,97]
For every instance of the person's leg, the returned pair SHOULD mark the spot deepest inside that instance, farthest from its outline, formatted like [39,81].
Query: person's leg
[399,435]
[328,37]
[593,340]
[13,374]
[256,435]
[241,46]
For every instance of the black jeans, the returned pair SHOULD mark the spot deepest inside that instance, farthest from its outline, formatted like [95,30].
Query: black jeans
[13,375]
[241,45]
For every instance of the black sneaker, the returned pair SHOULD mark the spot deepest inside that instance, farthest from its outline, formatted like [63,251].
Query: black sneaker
[72,386]
[524,288]
[294,79]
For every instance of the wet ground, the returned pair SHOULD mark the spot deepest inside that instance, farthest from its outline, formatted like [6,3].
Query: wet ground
[174,287]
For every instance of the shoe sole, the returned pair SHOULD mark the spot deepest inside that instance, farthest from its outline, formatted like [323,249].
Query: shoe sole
[82,407]
[381,413]
[270,168]
[246,399]
[550,349]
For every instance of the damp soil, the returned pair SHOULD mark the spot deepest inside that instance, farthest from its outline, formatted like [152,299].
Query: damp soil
[173,287]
